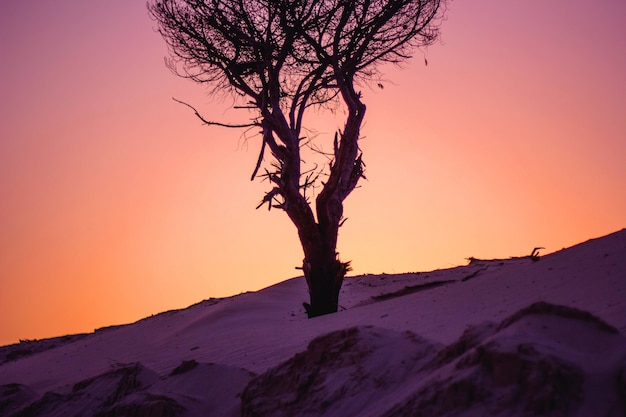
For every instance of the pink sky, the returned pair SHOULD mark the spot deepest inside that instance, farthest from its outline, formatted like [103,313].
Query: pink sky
[115,203]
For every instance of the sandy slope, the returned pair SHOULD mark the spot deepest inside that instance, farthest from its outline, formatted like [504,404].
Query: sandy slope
[379,368]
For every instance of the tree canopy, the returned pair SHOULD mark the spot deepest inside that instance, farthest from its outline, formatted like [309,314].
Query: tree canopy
[291,54]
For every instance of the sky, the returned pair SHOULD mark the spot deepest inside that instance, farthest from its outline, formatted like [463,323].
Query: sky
[117,203]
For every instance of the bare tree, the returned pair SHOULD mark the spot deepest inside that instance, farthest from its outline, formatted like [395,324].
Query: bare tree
[280,58]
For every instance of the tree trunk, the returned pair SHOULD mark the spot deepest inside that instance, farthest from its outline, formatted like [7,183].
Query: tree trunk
[324,275]
[323,270]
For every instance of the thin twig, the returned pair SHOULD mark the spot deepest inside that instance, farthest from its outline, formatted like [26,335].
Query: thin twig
[210,123]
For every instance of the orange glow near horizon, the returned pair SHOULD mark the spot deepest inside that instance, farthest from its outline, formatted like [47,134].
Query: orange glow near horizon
[116,203]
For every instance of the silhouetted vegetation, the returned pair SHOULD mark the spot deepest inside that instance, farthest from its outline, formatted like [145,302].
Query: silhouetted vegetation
[279,58]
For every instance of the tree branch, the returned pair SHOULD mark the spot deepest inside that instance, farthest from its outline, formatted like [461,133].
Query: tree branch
[210,123]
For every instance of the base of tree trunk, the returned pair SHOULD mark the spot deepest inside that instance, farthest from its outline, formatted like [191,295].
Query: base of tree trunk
[324,281]
[319,310]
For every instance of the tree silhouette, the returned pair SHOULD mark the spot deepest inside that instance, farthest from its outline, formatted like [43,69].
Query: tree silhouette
[280,58]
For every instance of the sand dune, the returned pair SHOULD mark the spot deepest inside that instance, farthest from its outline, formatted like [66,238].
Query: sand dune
[510,337]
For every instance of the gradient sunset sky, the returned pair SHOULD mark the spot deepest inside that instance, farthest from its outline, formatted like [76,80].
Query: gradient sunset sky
[116,203]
